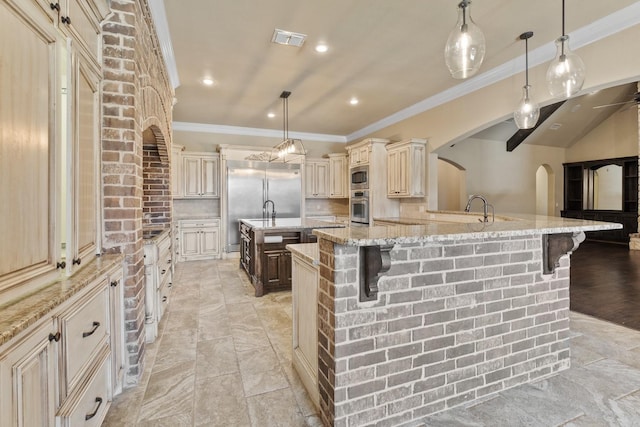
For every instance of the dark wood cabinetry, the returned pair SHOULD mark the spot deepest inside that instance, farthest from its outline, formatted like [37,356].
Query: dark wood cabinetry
[582,194]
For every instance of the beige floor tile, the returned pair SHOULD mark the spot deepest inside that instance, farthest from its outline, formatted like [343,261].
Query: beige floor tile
[169,395]
[220,402]
[216,357]
[277,408]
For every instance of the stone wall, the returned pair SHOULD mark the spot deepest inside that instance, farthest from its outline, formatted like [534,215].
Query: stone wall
[453,322]
[136,96]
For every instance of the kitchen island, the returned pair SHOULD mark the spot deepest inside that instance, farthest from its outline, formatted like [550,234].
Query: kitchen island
[421,316]
[263,253]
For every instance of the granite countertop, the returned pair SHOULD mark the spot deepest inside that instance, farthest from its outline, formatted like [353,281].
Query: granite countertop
[17,315]
[306,251]
[428,229]
[284,223]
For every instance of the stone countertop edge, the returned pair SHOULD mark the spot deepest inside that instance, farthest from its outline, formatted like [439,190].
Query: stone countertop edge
[195,217]
[288,223]
[433,231]
[17,315]
[306,251]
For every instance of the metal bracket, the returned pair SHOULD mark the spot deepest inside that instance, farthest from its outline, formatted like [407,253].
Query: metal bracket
[374,262]
[554,246]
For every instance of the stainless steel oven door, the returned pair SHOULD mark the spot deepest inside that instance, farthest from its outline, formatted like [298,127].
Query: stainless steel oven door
[360,207]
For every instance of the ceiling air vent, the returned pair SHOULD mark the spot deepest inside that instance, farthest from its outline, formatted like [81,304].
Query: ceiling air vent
[288,38]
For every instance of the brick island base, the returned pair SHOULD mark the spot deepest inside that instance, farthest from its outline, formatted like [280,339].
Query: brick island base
[453,321]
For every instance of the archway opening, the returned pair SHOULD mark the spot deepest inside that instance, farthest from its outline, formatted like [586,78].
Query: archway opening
[545,191]
[156,182]
[452,186]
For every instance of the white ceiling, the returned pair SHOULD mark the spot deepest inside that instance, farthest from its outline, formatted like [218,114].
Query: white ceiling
[387,53]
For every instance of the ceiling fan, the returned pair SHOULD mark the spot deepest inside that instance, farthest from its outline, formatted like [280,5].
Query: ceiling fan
[635,100]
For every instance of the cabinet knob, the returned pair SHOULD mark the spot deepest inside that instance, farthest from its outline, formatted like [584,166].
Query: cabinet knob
[76,261]
[66,20]
[61,265]
[54,337]
[164,299]
[114,283]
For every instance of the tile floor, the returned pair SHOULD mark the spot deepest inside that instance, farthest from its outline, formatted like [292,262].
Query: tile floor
[223,358]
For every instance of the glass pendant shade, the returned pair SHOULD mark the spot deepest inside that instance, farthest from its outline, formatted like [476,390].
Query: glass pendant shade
[465,48]
[527,113]
[565,75]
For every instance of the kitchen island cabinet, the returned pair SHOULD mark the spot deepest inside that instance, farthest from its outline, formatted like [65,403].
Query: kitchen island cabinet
[263,253]
[444,308]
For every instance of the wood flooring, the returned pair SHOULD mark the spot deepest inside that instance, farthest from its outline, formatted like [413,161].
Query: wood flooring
[605,282]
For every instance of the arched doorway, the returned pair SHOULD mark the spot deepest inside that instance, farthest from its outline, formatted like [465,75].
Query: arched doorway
[545,191]
[452,186]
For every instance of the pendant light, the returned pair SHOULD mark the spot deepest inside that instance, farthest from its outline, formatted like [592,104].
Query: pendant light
[565,75]
[290,148]
[528,111]
[464,51]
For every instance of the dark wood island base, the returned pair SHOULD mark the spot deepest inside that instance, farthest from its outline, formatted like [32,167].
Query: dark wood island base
[263,253]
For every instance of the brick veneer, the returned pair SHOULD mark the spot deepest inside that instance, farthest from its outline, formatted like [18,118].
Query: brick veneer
[453,322]
[136,96]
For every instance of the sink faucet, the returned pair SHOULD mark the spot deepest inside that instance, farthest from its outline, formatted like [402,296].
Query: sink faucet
[485,207]
[265,210]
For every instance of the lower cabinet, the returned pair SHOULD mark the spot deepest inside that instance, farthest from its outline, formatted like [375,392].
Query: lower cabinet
[64,369]
[199,239]
[28,375]
[277,269]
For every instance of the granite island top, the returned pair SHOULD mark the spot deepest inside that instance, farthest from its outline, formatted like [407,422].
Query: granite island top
[430,229]
[288,223]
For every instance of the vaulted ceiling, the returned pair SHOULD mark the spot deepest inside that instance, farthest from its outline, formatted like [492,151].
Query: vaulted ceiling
[387,53]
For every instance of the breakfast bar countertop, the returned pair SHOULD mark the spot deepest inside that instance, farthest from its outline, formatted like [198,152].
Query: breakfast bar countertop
[431,229]
[282,223]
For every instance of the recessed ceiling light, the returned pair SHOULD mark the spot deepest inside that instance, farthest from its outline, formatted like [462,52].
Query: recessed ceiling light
[321,48]
[354,101]
[207,81]
[271,115]
[555,126]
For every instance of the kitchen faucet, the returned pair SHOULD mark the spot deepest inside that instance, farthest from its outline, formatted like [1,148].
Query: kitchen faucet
[265,211]
[485,206]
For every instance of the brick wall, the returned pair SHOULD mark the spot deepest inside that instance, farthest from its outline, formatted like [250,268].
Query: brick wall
[156,185]
[136,96]
[453,322]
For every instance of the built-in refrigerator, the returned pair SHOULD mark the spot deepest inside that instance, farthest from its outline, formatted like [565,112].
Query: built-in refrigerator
[250,184]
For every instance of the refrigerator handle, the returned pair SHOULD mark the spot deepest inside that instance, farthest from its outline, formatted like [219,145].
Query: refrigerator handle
[265,195]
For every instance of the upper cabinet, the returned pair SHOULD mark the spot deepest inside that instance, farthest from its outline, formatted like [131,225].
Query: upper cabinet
[359,156]
[406,168]
[338,174]
[49,140]
[176,170]
[200,175]
[317,179]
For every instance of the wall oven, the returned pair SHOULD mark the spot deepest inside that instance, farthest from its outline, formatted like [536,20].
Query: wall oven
[360,207]
[360,178]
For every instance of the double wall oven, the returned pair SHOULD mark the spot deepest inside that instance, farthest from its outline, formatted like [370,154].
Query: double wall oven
[359,197]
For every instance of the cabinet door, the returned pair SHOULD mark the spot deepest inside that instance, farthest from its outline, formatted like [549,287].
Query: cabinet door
[309,179]
[209,241]
[84,201]
[191,176]
[322,180]
[210,173]
[363,155]
[402,172]
[338,171]
[27,143]
[277,268]
[392,173]
[116,301]
[189,242]
[176,172]
[28,378]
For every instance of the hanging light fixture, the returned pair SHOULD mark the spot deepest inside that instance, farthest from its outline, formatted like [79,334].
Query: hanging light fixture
[528,111]
[566,72]
[290,148]
[464,51]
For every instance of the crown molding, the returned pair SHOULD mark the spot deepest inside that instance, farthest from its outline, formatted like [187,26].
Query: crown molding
[164,37]
[268,133]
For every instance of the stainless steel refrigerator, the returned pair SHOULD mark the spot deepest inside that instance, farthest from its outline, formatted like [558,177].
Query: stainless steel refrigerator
[250,184]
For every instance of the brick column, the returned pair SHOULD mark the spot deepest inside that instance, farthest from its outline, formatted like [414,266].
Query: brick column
[122,170]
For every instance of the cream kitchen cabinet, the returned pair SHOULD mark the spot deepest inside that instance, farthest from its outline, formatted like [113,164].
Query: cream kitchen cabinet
[28,375]
[406,168]
[359,156]
[59,370]
[177,189]
[54,130]
[201,175]
[338,174]
[317,179]
[199,239]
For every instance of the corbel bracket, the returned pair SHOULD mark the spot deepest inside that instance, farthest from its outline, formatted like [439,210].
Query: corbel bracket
[375,261]
[554,246]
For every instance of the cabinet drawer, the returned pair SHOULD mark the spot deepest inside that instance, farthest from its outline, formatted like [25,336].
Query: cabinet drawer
[84,328]
[88,407]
